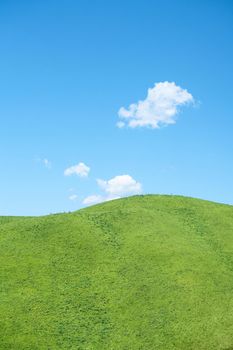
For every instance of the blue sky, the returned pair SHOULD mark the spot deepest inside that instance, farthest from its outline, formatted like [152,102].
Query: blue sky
[67,67]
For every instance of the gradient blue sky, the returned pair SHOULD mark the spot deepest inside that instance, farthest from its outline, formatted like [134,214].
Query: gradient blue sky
[66,69]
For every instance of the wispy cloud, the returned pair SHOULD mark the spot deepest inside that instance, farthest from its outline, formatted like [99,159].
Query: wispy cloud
[93,199]
[80,169]
[73,197]
[47,163]
[117,187]
[44,161]
[160,107]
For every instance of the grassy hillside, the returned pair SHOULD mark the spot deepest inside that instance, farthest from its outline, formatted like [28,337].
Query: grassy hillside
[146,272]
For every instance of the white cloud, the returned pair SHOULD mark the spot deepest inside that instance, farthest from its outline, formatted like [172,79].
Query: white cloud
[120,124]
[44,161]
[71,189]
[120,185]
[93,199]
[47,163]
[80,169]
[160,107]
[117,187]
[73,197]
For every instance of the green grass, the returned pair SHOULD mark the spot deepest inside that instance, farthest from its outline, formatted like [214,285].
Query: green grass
[145,272]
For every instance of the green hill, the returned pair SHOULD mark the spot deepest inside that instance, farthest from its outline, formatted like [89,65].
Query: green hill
[145,272]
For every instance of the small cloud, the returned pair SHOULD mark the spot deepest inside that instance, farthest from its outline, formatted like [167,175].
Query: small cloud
[73,197]
[44,161]
[71,189]
[160,107]
[93,199]
[47,163]
[117,187]
[120,124]
[120,185]
[80,169]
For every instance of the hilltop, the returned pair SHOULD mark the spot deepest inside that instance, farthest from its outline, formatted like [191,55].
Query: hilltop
[144,272]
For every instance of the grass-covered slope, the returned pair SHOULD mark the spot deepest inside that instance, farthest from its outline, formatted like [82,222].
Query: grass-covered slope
[146,272]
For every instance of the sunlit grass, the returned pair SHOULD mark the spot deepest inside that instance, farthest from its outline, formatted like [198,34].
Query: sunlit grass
[146,272]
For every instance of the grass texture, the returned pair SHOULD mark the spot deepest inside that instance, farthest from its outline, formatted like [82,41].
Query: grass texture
[139,273]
